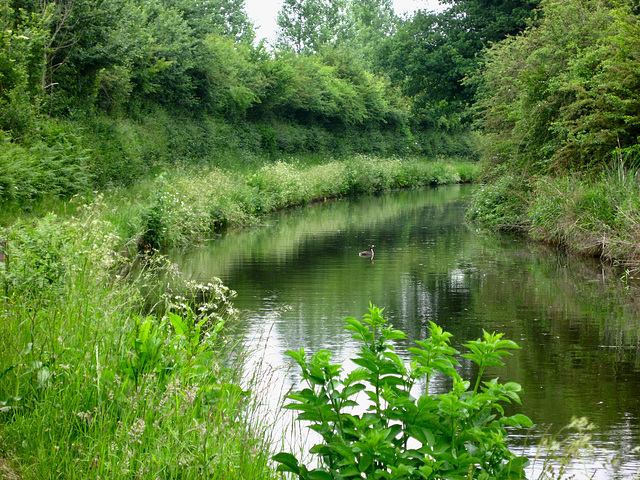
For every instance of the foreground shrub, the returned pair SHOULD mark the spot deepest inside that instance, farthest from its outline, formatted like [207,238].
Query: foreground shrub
[459,434]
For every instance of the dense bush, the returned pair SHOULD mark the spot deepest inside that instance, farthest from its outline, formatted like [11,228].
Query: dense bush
[501,204]
[564,95]
[171,54]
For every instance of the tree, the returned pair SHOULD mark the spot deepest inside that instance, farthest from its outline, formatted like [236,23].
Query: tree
[354,25]
[369,23]
[489,21]
[23,39]
[433,52]
[310,25]
[112,54]
[565,94]
[220,17]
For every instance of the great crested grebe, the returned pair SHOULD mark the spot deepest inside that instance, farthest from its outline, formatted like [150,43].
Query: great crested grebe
[368,253]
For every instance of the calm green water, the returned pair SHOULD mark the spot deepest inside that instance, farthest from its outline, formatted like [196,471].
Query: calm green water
[299,274]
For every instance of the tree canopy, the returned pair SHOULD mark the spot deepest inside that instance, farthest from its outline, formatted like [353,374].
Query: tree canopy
[119,57]
[433,53]
[357,26]
[563,91]
[564,95]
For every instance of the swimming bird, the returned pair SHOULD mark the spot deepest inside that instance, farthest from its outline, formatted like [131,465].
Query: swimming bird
[368,253]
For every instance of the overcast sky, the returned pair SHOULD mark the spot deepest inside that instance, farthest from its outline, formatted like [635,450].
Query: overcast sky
[264,12]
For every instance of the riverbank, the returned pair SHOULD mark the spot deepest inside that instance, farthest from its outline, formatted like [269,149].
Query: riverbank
[107,371]
[593,215]
[561,156]
[94,386]
[187,206]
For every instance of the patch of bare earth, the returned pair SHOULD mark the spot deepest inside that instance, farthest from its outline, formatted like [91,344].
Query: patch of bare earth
[6,473]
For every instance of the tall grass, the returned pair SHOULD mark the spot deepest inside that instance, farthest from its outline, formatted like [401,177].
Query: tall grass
[599,217]
[190,205]
[93,387]
[593,215]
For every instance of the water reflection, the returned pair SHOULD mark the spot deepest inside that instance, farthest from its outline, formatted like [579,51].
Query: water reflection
[299,275]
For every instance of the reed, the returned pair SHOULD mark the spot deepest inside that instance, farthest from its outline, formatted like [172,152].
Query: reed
[594,216]
[590,213]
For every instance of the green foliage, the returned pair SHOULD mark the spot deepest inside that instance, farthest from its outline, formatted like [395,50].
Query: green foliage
[597,218]
[314,92]
[332,91]
[117,55]
[459,434]
[593,216]
[432,53]
[129,54]
[221,17]
[184,207]
[429,71]
[181,343]
[370,22]
[564,95]
[23,39]
[561,100]
[51,163]
[310,25]
[100,94]
[124,151]
[501,204]
[356,26]
[89,386]
[232,80]
[37,261]
[145,352]
[165,82]
[463,144]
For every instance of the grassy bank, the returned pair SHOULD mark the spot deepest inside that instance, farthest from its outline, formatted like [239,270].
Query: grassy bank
[93,384]
[184,206]
[63,157]
[93,387]
[595,215]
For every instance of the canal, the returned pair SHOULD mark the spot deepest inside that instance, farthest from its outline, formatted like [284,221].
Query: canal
[299,274]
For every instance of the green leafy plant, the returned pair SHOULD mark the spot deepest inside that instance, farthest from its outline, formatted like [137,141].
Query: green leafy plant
[146,351]
[455,435]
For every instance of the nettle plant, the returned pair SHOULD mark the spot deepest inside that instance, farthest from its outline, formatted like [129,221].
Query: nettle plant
[455,435]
